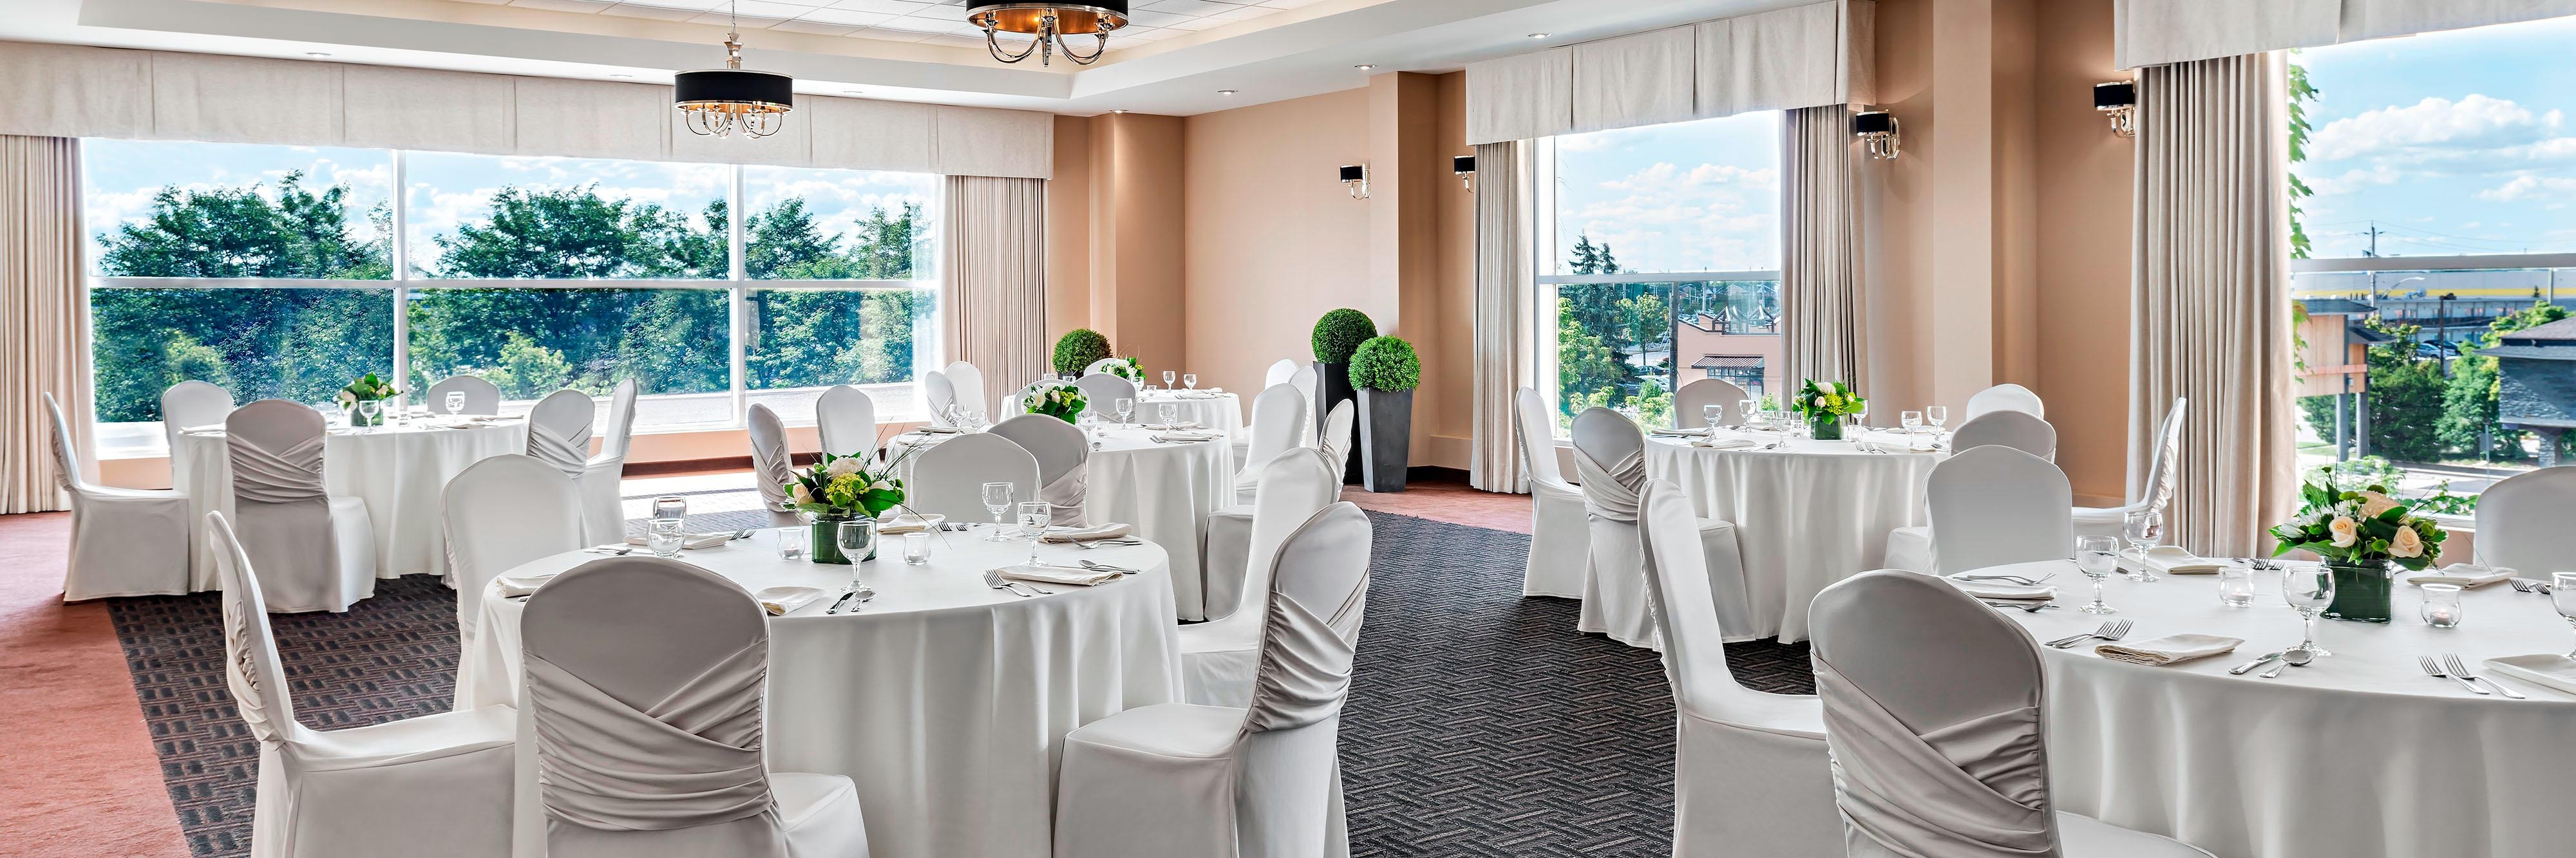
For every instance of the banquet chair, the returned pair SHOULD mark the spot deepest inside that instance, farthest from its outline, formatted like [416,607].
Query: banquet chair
[1749,770]
[1994,505]
[1218,656]
[603,501]
[430,786]
[1559,536]
[845,418]
[948,479]
[645,677]
[939,396]
[2522,521]
[1064,462]
[2005,397]
[1102,365]
[2151,489]
[497,514]
[1282,371]
[317,551]
[1104,389]
[1261,781]
[125,542]
[1935,710]
[559,430]
[1308,381]
[1720,392]
[191,403]
[772,465]
[1610,456]
[481,397]
[1336,437]
[2015,429]
[1278,421]
[971,391]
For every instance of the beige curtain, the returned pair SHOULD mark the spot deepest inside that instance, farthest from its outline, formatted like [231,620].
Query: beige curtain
[2210,306]
[1503,281]
[44,316]
[994,263]
[1820,298]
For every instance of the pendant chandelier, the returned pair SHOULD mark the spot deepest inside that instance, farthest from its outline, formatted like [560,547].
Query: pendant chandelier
[1049,24]
[720,102]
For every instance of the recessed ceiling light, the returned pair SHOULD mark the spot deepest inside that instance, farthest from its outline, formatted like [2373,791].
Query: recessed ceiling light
[1119,110]
[1225,92]
[1538,35]
[316,54]
[1365,66]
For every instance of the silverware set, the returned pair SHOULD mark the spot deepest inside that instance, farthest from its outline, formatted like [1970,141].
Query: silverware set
[1017,588]
[2458,671]
[1100,542]
[2110,631]
[2030,607]
[2526,585]
[854,591]
[2008,579]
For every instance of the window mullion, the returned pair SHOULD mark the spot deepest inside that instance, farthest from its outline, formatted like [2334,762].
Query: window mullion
[399,245]
[738,308]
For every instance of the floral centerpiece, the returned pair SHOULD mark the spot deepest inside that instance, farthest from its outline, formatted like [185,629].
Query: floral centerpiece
[368,388]
[843,488]
[1057,399]
[2361,534]
[1126,368]
[1824,404]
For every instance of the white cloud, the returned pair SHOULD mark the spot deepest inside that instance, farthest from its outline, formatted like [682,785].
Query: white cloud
[2353,180]
[2435,123]
[1709,217]
[2528,186]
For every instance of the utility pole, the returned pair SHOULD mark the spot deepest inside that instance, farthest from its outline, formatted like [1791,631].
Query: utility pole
[2374,240]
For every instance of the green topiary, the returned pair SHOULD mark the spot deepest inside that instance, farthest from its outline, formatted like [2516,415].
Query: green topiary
[1078,349]
[1341,332]
[1386,363]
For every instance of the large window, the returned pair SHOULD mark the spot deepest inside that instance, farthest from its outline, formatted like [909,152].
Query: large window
[2430,179]
[1658,258]
[281,271]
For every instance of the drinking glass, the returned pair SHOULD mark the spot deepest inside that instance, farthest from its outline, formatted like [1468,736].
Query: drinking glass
[857,537]
[367,411]
[997,500]
[1126,409]
[1860,419]
[2236,587]
[1190,381]
[2562,593]
[1170,413]
[971,418]
[1911,420]
[668,506]
[1938,414]
[2097,557]
[1744,409]
[2145,528]
[1034,516]
[663,535]
[916,548]
[2441,608]
[791,541]
[455,402]
[2308,588]
[1168,375]
[1712,415]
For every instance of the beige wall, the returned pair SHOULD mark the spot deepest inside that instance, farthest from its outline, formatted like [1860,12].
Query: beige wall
[2082,232]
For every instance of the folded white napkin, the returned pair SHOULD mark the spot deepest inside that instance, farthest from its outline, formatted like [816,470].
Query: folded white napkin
[908,523]
[2169,649]
[780,601]
[2006,591]
[2465,575]
[1169,427]
[1725,444]
[693,541]
[514,586]
[1112,530]
[2172,560]
[1198,394]
[1068,575]
[1679,433]
[1187,436]
[2547,670]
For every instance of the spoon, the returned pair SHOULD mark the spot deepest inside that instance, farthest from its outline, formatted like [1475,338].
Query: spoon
[2242,669]
[2297,657]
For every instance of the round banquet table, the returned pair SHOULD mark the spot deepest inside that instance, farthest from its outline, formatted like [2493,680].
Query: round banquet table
[1213,410]
[2359,753]
[1165,490]
[399,470]
[1806,514]
[945,701]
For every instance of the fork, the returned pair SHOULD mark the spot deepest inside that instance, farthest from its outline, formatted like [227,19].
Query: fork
[2434,669]
[2110,631]
[994,580]
[2032,608]
[2010,579]
[2461,669]
[2526,585]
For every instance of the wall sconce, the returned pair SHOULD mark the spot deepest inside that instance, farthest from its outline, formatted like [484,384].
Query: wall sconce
[2118,98]
[1355,177]
[1877,131]
[1465,167]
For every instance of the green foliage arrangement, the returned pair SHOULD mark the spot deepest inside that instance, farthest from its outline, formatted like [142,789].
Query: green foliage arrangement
[2364,527]
[1340,332]
[1386,363]
[1058,400]
[1827,399]
[1078,349]
[842,487]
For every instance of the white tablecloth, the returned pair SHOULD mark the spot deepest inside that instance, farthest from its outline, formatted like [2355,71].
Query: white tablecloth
[2359,753]
[1806,515]
[947,702]
[1222,412]
[1166,491]
[398,470]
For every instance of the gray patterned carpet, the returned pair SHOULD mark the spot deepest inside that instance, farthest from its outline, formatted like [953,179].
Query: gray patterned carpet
[1479,722]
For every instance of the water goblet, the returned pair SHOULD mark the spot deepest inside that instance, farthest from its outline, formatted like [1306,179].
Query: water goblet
[1938,414]
[367,411]
[2144,528]
[1170,413]
[1712,415]
[1034,516]
[2097,557]
[2441,608]
[455,402]
[1190,381]
[856,537]
[662,536]
[2308,588]
[2236,587]
[916,548]
[997,500]
[2562,594]
[1911,420]
[1744,409]
[1168,376]
[1126,409]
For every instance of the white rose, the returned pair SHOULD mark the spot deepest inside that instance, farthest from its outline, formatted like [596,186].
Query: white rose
[881,486]
[843,467]
[2374,503]
[800,495]
[347,398]
[2346,531]
[1820,402]
[2406,544]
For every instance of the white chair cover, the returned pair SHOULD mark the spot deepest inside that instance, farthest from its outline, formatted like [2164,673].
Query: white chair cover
[2005,397]
[603,475]
[1105,389]
[948,479]
[1337,437]
[2148,490]
[1218,656]
[771,464]
[1749,775]
[1559,536]
[481,397]
[845,418]
[125,542]
[559,430]
[191,403]
[1102,365]
[1282,371]
[318,552]
[499,513]
[940,396]
[1278,421]
[971,389]
[436,785]
[1610,456]
[1933,707]
[644,685]
[1181,780]
[1994,505]
[1720,392]
[1064,462]
[2015,429]
[2523,522]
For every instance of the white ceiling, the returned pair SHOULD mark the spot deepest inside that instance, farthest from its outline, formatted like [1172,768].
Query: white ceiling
[1181,55]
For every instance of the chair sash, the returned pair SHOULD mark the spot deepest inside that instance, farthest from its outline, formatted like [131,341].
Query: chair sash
[1305,669]
[283,476]
[773,468]
[244,674]
[690,760]
[569,454]
[1067,494]
[1611,492]
[1976,789]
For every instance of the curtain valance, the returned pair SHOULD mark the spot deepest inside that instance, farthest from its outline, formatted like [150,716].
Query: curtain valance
[2161,32]
[1802,56]
[77,91]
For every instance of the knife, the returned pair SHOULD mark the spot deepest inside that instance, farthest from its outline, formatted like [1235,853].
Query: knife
[845,598]
[2242,669]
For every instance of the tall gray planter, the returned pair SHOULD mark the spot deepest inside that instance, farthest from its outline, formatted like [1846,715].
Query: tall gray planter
[1386,438]
[1334,388]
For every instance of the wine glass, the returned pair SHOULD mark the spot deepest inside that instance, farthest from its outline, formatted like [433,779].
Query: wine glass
[367,411]
[2309,588]
[1744,409]
[1859,419]
[1034,516]
[1911,420]
[1190,381]
[2144,529]
[857,537]
[1938,414]
[1170,413]
[1168,375]
[1712,414]
[2097,557]
[2562,594]
[971,419]
[1126,408]
[455,402]
[997,500]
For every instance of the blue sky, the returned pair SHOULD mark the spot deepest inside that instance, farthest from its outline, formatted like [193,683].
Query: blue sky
[2452,143]
[1688,196]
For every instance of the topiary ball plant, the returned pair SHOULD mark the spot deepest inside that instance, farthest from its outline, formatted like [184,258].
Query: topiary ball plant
[1386,363]
[1340,332]
[1078,349]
